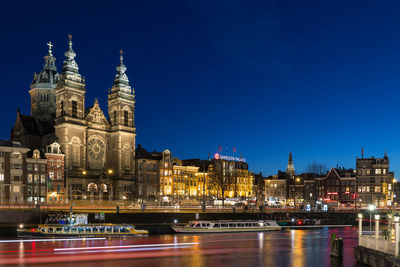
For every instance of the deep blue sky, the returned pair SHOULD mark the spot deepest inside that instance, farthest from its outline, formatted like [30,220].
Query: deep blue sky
[318,78]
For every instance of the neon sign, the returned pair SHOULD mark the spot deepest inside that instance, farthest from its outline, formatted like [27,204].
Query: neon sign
[218,156]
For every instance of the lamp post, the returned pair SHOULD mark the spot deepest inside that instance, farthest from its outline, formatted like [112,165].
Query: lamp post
[377,216]
[371,208]
[396,240]
[360,217]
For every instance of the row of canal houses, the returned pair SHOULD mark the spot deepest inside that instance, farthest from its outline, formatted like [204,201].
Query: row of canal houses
[370,182]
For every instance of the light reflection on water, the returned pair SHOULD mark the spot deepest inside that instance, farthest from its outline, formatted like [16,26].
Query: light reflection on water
[292,248]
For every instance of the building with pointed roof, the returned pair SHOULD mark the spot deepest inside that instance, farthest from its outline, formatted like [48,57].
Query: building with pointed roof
[99,152]
[290,166]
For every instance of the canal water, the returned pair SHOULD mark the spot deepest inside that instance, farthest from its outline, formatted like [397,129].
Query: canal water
[284,248]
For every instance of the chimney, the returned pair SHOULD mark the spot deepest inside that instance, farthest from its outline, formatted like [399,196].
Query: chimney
[362,152]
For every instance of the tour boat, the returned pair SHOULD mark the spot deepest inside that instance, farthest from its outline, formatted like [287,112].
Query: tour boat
[81,230]
[226,226]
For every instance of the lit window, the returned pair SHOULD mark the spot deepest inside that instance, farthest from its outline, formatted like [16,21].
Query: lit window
[1,177]
[16,189]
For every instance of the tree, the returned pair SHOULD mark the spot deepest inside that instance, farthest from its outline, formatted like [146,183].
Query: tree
[316,168]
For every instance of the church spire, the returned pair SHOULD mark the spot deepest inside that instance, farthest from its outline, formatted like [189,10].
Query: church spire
[290,166]
[70,67]
[121,81]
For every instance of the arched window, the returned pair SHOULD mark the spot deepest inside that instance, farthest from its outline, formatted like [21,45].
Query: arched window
[126,118]
[74,108]
[115,117]
[62,108]
[76,155]
[126,157]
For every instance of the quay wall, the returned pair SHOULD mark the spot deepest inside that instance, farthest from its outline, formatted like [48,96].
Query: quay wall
[374,258]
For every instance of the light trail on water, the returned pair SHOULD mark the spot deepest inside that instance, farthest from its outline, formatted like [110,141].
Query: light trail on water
[51,239]
[123,247]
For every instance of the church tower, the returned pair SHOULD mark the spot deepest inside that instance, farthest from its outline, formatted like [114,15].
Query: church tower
[121,107]
[290,166]
[70,111]
[43,99]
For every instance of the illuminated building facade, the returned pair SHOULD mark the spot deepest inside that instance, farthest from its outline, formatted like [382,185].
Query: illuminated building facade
[337,187]
[99,151]
[374,181]
[55,174]
[186,181]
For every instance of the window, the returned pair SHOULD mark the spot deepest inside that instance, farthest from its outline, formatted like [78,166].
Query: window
[115,117]
[30,178]
[16,166]
[59,176]
[62,107]
[30,167]
[17,178]
[43,178]
[16,155]
[74,108]
[1,177]
[51,175]
[378,171]
[1,154]
[16,189]
[126,118]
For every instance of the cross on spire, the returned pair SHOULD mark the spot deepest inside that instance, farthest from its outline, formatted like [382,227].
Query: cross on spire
[50,45]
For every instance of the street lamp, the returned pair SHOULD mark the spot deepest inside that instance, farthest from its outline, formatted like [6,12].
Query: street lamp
[377,226]
[360,216]
[371,208]
[396,240]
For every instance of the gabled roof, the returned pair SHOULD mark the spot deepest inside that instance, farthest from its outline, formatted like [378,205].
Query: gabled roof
[142,153]
[29,124]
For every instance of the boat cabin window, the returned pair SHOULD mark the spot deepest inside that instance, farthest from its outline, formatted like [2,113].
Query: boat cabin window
[255,224]
[73,230]
[197,225]
[232,225]
[247,224]
[50,230]
[80,229]
[123,230]
[241,224]
[58,230]
[266,223]
[224,225]
[217,225]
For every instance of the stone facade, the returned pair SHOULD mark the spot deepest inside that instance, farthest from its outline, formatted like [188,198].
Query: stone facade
[99,152]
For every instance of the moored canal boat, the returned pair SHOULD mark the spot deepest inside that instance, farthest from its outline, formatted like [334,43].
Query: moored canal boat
[226,226]
[82,230]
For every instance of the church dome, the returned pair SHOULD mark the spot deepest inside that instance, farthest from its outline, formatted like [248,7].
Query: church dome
[48,77]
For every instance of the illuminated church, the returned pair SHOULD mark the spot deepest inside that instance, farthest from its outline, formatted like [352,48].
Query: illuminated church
[99,151]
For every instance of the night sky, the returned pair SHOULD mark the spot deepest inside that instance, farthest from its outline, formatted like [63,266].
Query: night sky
[318,78]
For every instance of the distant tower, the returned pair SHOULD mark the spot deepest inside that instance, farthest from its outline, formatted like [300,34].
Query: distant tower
[43,100]
[290,166]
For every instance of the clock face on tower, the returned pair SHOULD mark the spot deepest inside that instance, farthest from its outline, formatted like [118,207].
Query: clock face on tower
[96,148]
